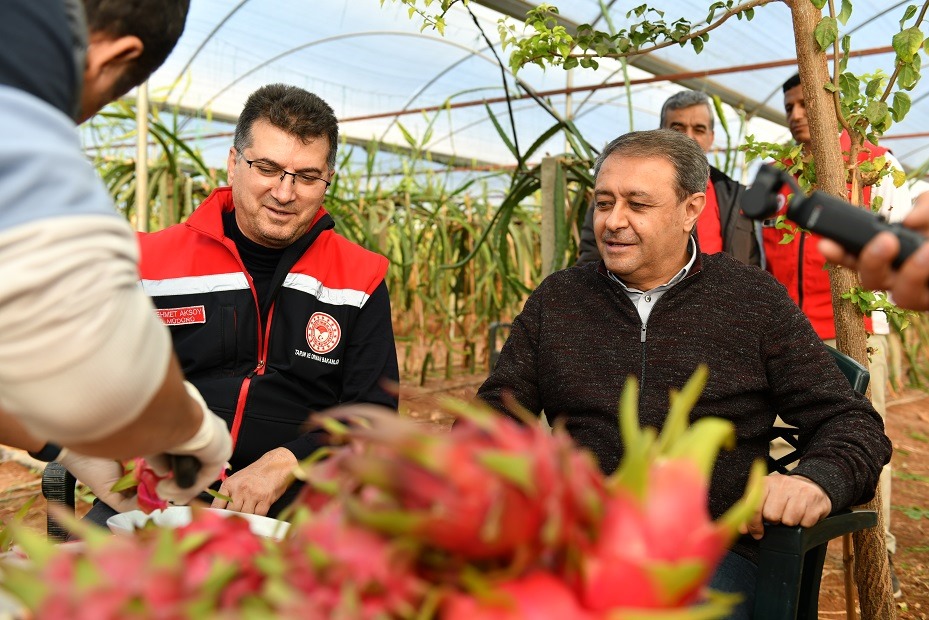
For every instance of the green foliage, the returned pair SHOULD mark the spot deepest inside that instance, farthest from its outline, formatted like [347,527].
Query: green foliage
[728,164]
[868,301]
[914,512]
[543,42]
[430,20]
[905,475]
[178,178]
[826,32]
[863,99]
[915,350]
[454,262]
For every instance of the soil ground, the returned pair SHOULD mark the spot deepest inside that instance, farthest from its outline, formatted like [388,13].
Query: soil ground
[907,426]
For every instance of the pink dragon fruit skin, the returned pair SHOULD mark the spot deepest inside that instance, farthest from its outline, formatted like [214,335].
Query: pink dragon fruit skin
[537,596]
[230,540]
[148,482]
[482,491]
[329,557]
[121,568]
[670,528]
[460,501]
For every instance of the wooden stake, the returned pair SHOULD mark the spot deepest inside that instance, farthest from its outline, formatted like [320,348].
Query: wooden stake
[848,563]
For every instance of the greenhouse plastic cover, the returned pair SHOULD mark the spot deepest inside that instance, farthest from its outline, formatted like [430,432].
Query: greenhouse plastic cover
[378,70]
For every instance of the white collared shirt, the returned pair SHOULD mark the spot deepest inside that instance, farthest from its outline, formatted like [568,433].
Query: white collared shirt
[644,301]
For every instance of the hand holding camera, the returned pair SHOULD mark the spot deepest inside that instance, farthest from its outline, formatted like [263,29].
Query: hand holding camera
[897,261]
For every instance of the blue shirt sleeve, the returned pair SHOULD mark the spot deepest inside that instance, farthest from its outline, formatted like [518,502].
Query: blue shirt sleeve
[43,172]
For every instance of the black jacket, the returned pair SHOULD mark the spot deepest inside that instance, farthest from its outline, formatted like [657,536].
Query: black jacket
[739,238]
[327,339]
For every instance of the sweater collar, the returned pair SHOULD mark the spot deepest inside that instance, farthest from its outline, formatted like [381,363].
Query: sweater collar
[693,265]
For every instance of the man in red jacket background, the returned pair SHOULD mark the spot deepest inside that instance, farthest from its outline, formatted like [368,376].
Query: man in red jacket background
[798,264]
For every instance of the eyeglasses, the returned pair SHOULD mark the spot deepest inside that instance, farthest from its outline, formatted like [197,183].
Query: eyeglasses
[270,171]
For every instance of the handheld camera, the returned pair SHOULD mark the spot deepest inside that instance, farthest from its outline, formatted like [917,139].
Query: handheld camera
[826,215]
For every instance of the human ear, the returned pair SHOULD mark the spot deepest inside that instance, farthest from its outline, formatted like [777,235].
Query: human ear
[108,59]
[693,207]
[230,165]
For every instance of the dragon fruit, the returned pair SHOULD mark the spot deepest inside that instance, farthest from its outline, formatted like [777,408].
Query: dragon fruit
[492,521]
[344,571]
[489,489]
[144,480]
[537,596]
[657,537]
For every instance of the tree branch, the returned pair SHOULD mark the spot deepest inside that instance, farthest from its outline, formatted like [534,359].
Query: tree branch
[750,4]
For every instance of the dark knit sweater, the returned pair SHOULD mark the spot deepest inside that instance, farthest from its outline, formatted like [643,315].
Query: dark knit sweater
[579,337]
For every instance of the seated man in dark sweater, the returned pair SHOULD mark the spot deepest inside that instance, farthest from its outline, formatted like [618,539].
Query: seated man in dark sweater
[655,308]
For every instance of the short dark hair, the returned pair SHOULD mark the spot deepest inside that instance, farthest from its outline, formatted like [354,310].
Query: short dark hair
[691,167]
[157,23]
[298,112]
[792,82]
[682,100]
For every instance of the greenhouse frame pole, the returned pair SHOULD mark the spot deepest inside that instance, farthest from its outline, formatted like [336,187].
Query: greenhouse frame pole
[141,160]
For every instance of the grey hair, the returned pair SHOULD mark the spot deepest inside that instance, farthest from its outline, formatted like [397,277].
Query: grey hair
[686,99]
[692,170]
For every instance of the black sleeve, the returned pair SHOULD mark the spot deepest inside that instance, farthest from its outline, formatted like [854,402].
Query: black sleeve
[42,44]
[587,251]
[846,446]
[516,371]
[739,237]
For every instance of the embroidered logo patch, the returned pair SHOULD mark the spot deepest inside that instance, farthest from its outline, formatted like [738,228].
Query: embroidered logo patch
[182,316]
[323,332]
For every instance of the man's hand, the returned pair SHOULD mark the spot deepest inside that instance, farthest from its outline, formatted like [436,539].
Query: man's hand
[211,445]
[259,485]
[100,475]
[790,500]
[909,286]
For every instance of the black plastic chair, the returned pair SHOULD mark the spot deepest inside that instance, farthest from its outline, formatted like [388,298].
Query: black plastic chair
[790,562]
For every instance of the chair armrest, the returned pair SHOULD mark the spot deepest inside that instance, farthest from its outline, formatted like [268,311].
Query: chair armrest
[790,565]
[786,539]
[58,488]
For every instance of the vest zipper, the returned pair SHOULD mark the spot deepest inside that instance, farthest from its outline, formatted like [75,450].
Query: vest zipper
[642,337]
[257,370]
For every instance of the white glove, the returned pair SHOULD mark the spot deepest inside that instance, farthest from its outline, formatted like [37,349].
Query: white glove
[100,475]
[211,445]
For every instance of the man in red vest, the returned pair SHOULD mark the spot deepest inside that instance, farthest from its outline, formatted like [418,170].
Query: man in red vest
[721,227]
[798,264]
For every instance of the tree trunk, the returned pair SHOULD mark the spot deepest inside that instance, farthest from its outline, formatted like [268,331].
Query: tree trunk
[871,569]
